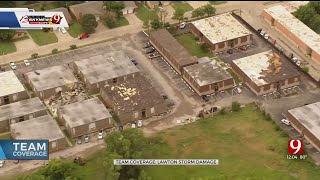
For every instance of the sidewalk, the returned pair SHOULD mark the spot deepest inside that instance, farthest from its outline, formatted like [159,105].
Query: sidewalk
[42,50]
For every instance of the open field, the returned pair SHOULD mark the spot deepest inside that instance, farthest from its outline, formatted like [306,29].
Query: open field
[144,13]
[182,5]
[7,47]
[247,146]
[75,30]
[190,42]
[42,38]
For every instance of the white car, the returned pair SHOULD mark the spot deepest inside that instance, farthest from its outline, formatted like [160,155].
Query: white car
[1,163]
[298,63]
[262,33]
[27,62]
[182,25]
[100,135]
[295,59]
[139,123]
[63,30]
[13,65]
[266,36]
[238,90]
[286,122]
[86,139]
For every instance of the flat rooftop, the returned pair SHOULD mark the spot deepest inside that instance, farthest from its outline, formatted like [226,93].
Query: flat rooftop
[107,66]
[51,77]
[207,73]
[21,108]
[43,127]
[133,94]
[9,84]
[85,112]
[266,67]
[170,44]
[296,27]
[309,117]
[292,6]
[221,28]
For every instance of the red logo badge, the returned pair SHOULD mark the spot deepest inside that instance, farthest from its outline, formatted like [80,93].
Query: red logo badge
[56,19]
[295,146]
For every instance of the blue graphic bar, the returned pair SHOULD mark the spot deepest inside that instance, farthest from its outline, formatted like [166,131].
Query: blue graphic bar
[8,19]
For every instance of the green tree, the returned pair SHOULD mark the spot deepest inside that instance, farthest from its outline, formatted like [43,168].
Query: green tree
[235,106]
[156,24]
[114,6]
[111,19]
[209,10]
[199,12]
[315,23]
[89,23]
[315,5]
[305,14]
[58,169]
[143,176]
[112,171]
[33,177]
[178,14]
[6,35]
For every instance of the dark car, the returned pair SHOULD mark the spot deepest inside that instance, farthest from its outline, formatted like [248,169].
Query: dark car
[259,30]
[205,98]
[230,51]
[291,56]
[2,69]
[146,45]
[150,50]
[83,36]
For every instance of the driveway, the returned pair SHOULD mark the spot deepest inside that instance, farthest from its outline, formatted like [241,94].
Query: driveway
[25,45]
[132,18]
[63,37]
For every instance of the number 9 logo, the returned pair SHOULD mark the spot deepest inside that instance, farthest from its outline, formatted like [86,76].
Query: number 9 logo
[56,19]
[295,147]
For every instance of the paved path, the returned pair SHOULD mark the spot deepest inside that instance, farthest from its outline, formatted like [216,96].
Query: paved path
[42,50]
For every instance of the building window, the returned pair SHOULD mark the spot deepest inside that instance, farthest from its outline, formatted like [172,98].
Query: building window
[136,114]
[21,118]
[243,39]
[92,126]
[221,45]
[6,100]
[152,110]
[143,113]
[114,80]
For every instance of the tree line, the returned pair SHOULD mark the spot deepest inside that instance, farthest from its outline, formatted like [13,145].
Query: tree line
[310,15]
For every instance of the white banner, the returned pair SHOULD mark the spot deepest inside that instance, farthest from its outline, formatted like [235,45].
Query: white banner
[141,162]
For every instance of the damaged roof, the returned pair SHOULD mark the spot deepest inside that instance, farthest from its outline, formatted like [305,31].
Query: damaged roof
[207,73]
[221,28]
[51,77]
[84,112]
[43,127]
[107,66]
[132,94]
[266,67]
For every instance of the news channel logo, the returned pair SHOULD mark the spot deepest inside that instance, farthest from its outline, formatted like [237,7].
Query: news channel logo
[32,19]
[295,149]
[24,149]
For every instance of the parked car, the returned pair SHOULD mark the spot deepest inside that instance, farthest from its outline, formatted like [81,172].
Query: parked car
[290,56]
[146,45]
[238,90]
[298,63]
[13,65]
[259,30]
[27,62]
[205,98]
[2,163]
[262,33]
[294,59]
[243,48]
[100,135]
[266,36]
[150,50]
[154,55]
[182,25]
[286,122]
[139,123]
[63,30]
[79,140]
[134,62]
[133,125]
[86,139]
[83,36]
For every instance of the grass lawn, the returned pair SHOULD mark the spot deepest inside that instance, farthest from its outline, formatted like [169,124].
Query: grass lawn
[189,41]
[234,75]
[75,30]
[217,2]
[7,47]
[247,146]
[122,21]
[183,5]
[143,13]
[42,38]
[5,136]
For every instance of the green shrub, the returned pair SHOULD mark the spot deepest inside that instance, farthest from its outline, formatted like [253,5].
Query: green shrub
[268,117]
[263,112]
[305,69]
[73,46]
[277,128]
[45,29]
[54,51]
[235,106]
[34,55]
[223,111]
